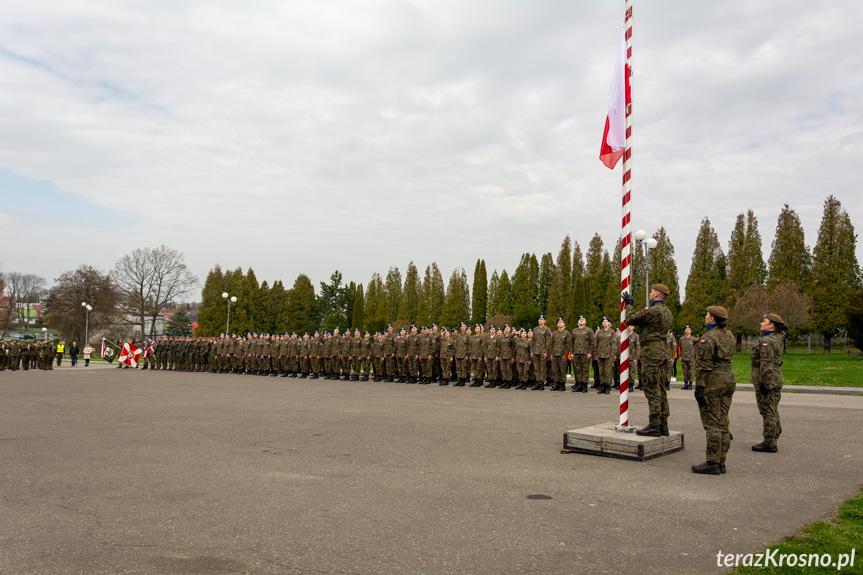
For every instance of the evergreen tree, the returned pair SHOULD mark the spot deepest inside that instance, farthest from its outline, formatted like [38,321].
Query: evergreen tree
[389,302]
[546,276]
[373,321]
[334,297]
[596,272]
[278,308]
[479,296]
[706,284]
[745,262]
[180,325]
[262,311]
[524,289]
[492,305]
[409,304]
[457,303]
[213,309]
[789,256]
[435,295]
[245,313]
[612,289]
[503,297]
[359,309]
[350,298]
[578,270]
[854,319]
[301,306]
[663,270]
[835,273]
[560,293]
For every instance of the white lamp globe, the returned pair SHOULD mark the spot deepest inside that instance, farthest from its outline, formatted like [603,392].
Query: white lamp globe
[650,243]
[640,235]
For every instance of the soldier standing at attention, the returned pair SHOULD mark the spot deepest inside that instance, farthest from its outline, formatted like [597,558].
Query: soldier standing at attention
[634,355]
[541,336]
[462,355]
[447,357]
[767,379]
[605,352]
[507,356]
[671,344]
[714,386]
[561,345]
[687,357]
[655,321]
[477,359]
[583,342]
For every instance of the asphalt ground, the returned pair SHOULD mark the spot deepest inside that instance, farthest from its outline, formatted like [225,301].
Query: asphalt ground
[120,471]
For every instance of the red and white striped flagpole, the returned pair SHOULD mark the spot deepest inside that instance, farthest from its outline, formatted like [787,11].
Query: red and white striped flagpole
[626,241]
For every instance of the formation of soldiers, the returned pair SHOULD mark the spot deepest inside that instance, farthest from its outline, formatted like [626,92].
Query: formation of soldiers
[497,357]
[502,357]
[29,354]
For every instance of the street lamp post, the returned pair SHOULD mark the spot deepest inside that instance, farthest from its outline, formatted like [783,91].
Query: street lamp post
[45,331]
[649,244]
[232,299]
[87,309]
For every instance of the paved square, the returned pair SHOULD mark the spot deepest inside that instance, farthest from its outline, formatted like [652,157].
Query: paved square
[120,471]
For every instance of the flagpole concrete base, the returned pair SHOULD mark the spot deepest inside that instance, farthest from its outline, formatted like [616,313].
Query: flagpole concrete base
[605,441]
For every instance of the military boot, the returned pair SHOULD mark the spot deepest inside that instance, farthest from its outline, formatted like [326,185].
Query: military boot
[707,468]
[649,431]
[765,447]
[663,429]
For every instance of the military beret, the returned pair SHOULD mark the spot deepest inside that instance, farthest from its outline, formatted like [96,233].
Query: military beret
[581,317]
[412,326]
[434,323]
[492,326]
[506,325]
[661,288]
[367,332]
[687,327]
[542,317]
[389,325]
[463,323]
[718,312]
[560,319]
[530,330]
[307,333]
[606,319]
[774,318]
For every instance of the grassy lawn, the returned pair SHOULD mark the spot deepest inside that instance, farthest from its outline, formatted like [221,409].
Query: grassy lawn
[801,368]
[836,536]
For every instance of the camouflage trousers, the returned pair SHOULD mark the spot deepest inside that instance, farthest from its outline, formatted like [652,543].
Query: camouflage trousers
[688,366]
[714,416]
[523,371]
[652,377]
[606,370]
[540,365]
[478,366]
[768,407]
[558,369]
[581,367]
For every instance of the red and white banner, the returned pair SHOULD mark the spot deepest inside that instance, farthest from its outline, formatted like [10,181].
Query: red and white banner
[614,136]
[130,355]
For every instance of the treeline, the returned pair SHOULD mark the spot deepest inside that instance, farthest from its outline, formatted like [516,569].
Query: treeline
[811,289]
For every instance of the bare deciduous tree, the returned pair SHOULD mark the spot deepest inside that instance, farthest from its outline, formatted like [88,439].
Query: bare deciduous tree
[83,285]
[150,279]
[25,291]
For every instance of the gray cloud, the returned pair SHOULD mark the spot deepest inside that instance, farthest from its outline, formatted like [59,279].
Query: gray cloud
[304,137]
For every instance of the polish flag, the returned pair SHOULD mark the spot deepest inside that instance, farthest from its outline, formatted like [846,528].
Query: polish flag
[614,136]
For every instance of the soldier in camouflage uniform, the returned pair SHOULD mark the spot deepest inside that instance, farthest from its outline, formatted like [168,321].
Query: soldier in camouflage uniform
[714,388]
[491,355]
[478,361]
[671,345]
[561,347]
[688,343]
[634,356]
[447,357]
[766,357]
[539,349]
[654,321]
[605,352]
[583,342]
[462,355]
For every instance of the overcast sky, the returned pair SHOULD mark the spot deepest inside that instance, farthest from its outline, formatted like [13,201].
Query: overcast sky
[308,136]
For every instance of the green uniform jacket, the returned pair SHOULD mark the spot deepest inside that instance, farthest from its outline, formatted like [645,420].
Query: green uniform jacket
[766,358]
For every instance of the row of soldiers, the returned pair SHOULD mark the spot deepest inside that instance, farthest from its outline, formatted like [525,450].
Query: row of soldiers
[28,354]
[504,357]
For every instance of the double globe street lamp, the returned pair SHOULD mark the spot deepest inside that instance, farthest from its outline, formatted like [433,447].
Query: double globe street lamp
[649,244]
[87,309]
[232,299]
